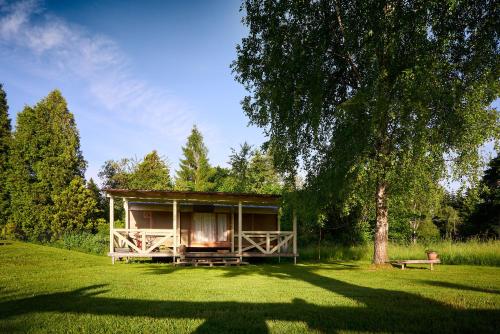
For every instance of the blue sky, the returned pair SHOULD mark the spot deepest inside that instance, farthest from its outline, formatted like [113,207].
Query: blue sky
[136,75]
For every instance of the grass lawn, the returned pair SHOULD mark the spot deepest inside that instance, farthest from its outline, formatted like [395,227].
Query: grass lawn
[44,289]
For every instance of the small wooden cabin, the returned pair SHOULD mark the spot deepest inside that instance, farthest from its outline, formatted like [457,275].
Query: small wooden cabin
[163,223]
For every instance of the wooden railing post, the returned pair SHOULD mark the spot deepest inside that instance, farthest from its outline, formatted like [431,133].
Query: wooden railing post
[294,220]
[268,242]
[143,238]
[111,227]
[240,229]
[174,217]
[232,229]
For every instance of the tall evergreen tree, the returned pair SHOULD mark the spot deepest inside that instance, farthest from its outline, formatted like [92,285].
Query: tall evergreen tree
[151,174]
[5,141]
[45,158]
[194,172]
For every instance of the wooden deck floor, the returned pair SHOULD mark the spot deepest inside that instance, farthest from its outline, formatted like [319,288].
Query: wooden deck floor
[199,254]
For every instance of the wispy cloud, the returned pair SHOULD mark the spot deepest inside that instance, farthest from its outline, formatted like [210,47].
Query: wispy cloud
[97,61]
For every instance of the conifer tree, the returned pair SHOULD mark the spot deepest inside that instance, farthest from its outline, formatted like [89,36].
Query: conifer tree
[45,158]
[5,139]
[151,174]
[194,171]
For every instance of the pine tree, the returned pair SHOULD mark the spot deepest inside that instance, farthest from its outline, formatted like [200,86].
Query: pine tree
[45,158]
[5,139]
[151,174]
[194,171]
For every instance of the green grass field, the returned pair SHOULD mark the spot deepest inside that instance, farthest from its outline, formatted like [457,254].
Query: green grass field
[44,289]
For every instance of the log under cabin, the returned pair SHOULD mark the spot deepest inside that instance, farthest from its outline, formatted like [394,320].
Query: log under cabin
[211,224]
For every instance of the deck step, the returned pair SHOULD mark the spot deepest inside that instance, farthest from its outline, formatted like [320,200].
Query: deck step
[209,262]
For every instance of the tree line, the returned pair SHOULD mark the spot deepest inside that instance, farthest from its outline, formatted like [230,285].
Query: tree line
[44,194]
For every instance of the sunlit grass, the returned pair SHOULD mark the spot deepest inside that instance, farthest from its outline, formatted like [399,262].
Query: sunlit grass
[45,289]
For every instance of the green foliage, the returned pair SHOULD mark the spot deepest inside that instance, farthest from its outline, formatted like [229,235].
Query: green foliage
[219,178]
[45,158]
[101,202]
[85,242]
[252,171]
[371,95]
[75,210]
[239,177]
[151,174]
[427,231]
[448,220]
[5,142]
[484,219]
[194,172]
[116,174]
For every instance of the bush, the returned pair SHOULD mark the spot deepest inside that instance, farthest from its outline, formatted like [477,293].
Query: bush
[85,242]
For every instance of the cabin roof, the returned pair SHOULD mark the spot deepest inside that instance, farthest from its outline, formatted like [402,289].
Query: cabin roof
[195,196]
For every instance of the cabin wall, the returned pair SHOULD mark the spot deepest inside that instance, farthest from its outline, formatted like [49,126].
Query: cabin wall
[148,216]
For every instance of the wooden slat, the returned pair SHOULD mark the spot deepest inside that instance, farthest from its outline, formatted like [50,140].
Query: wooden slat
[254,243]
[126,241]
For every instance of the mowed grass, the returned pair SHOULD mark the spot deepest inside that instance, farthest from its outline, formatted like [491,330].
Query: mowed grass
[44,289]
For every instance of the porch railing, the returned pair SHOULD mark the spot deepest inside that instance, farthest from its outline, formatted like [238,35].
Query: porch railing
[266,242]
[143,241]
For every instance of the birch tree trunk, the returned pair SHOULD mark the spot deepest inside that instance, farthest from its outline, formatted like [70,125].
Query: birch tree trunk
[382,227]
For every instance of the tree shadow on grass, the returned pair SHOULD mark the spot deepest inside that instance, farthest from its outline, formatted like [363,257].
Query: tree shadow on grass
[459,286]
[379,310]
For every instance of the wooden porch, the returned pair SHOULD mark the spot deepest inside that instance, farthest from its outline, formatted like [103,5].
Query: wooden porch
[132,242]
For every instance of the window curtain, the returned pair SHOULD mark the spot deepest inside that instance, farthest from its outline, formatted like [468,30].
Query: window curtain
[204,227]
[222,227]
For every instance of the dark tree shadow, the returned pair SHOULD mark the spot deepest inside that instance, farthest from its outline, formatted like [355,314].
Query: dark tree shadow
[378,310]
[459,287]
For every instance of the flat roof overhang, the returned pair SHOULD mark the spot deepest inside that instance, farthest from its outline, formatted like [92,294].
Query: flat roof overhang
[195,196]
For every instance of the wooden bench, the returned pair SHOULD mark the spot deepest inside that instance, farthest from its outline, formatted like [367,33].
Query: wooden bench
[403,263]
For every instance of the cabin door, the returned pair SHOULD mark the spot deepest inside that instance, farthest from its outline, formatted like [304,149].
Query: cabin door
[209,227]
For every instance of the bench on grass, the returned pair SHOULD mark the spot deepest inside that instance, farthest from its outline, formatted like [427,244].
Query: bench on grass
[403,263]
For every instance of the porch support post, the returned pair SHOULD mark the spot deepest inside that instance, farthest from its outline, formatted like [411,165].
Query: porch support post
[240,223]
[279,237]
[125,207]
[111,227]
[232,229]
[174,219]
[294,221]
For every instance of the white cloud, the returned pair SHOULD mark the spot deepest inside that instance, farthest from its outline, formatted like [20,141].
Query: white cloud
[99,62]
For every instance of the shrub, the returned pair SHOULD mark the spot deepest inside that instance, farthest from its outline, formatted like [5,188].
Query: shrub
[85,242]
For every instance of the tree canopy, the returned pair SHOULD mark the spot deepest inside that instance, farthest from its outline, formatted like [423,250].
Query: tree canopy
[366,96]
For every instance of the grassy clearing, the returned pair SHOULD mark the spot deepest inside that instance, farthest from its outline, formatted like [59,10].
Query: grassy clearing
[470,252]
[45,289]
